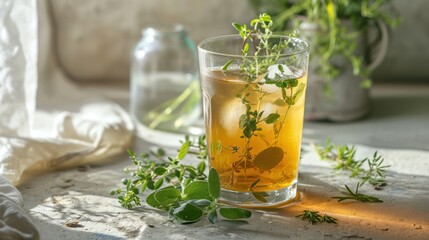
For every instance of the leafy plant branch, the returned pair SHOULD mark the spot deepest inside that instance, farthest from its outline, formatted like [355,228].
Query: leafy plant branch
[185,191]
[345,158]
[329,20]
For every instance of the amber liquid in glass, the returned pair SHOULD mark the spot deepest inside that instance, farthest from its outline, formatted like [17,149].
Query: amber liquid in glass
[270,158]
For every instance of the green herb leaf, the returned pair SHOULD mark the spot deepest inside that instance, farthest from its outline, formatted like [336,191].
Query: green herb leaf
[186,213]
[268,158]
[197,190]
[261,196]
[234,213]
[225,67]
[159,170]
[214,183]
[254,183]
[158,183]
[183,150]
[298,93]
[201,203]
[280,102]
[151,201]
[272,117]
[201,166]
[246,48]
[237,26]
[212,216]
[166,197]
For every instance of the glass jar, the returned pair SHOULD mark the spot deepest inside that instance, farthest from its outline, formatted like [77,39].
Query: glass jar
[165,92]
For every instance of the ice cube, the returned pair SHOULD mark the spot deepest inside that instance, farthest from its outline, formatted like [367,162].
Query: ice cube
[231,111]
[229,116]
[274,69]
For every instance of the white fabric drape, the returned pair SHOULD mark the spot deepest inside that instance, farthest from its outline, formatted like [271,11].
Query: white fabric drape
[64,126]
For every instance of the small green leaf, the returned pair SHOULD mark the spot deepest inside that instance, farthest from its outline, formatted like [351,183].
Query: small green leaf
[183,150]
[237,26]
[254,183]
[151,201]
[201,166]
[201,203]
[197,190]
[254,21]
[186,213]
[272,118]
[246,48]
[225,67]
[247,132]
[212,216]
[144,185]
[161,152]
[214,183]
[268,158]
[298,93]
[243,121]
[292,82]
[284,96]
[150,184]
[167,196]
[125,181]
[159,170]
[261,196]
[280,102]
[187,181]
[158,183]
[234,213]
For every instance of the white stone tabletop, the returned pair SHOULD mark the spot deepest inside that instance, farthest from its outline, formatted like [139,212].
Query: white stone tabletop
[75,203]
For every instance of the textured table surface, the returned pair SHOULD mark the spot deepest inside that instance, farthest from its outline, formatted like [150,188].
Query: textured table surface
[397,127]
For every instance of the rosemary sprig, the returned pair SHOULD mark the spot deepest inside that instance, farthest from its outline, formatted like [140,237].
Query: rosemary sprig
[314,217]
[376,173]
[350,195]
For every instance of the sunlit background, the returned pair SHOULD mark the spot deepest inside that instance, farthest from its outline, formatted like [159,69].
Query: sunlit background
[94,38]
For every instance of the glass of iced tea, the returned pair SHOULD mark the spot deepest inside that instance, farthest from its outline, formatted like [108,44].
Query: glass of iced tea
[253,96]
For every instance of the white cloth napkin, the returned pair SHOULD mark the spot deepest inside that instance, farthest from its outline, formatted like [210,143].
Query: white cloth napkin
[14,223]
[69,127]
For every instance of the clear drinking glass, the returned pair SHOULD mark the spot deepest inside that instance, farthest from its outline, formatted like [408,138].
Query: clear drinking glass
[165,91]
[254,125]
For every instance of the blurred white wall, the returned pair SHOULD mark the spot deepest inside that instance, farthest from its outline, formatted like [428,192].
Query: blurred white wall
[94,38]
[407,58]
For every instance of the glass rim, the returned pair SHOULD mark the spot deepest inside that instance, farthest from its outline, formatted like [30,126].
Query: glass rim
[212,39]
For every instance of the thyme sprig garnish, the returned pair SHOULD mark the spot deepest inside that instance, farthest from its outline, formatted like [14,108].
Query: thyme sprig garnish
[184,191]
[350,195]
[260,56]
[314,217]
[345,159]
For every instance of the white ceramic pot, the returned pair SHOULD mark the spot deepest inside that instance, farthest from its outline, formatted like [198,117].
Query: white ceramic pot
[348,100]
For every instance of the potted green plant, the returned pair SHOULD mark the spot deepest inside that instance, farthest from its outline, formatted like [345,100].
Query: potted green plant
[349,39]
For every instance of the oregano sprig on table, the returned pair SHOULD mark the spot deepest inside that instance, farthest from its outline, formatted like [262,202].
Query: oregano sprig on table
[184,191]
[345,159]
